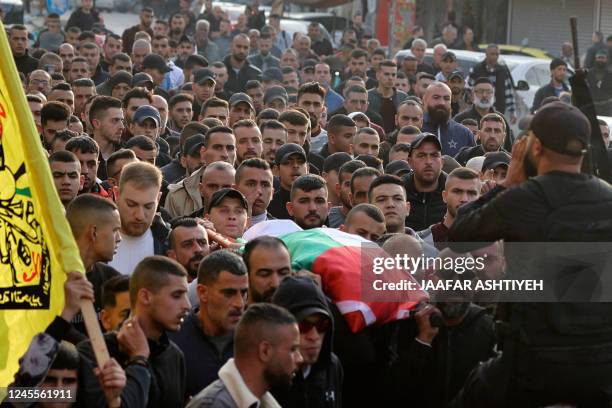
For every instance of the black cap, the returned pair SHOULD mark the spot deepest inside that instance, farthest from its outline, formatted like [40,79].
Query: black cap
[398,168]
[239,97]
[275,92]
[272,74]
[422,138]
[142,79]
[219,195]
[359,116]
[456,74]
[202,75]
[494,159]
[449,164]
[562,128]
[196,59]
[192,145]
[287,150]
[311,298]
[448,55]
[155,61]
[483,80]
[335,161]
[309,64]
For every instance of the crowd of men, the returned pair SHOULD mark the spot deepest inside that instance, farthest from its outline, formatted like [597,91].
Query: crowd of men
[167,143]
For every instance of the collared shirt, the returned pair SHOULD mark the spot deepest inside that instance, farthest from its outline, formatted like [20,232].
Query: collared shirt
[242,396]
[283,40]
[174,78]
[259,218]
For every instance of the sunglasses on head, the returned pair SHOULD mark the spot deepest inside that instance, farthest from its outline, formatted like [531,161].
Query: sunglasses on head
[322,326]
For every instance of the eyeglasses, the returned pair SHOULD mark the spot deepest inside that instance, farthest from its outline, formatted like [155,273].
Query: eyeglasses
[321,325]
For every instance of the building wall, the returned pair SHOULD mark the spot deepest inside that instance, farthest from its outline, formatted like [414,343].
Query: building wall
[545,23]
[488,18]
[605,17]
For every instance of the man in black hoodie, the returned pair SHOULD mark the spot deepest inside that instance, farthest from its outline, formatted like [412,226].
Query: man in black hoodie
[319,381]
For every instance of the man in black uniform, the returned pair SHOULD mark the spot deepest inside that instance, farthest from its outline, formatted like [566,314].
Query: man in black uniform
[553,352]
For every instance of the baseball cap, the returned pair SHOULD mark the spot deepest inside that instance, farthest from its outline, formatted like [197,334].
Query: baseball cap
[272,74]
[335,161]
[275,92]
[398,168]
[494,159]
[456,74]
[422,138]
[239,97]
[483,80]
[309,311]
[562,128]
[142,79]
[219,195]
[449,164]
[285,297]
[475,163]
[202,75]
[359,116]
[155,61]
[192,145]
[145,112]
[185,39]
[448,55]
[602,53]
[309,64]
[287,150]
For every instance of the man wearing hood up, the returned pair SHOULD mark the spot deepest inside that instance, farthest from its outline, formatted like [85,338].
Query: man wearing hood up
[318,383]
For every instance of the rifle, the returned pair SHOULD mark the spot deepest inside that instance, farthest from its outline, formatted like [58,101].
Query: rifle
[596,161]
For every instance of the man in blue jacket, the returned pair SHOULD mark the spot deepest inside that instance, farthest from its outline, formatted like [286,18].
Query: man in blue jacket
[437,120]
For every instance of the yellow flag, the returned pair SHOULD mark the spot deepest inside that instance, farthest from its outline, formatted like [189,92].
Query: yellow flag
[37,248]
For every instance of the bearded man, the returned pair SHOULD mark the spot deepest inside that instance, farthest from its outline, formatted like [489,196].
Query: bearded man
[437,120]
[483,104]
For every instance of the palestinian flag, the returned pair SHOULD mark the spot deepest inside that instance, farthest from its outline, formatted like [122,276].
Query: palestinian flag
[345,264]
